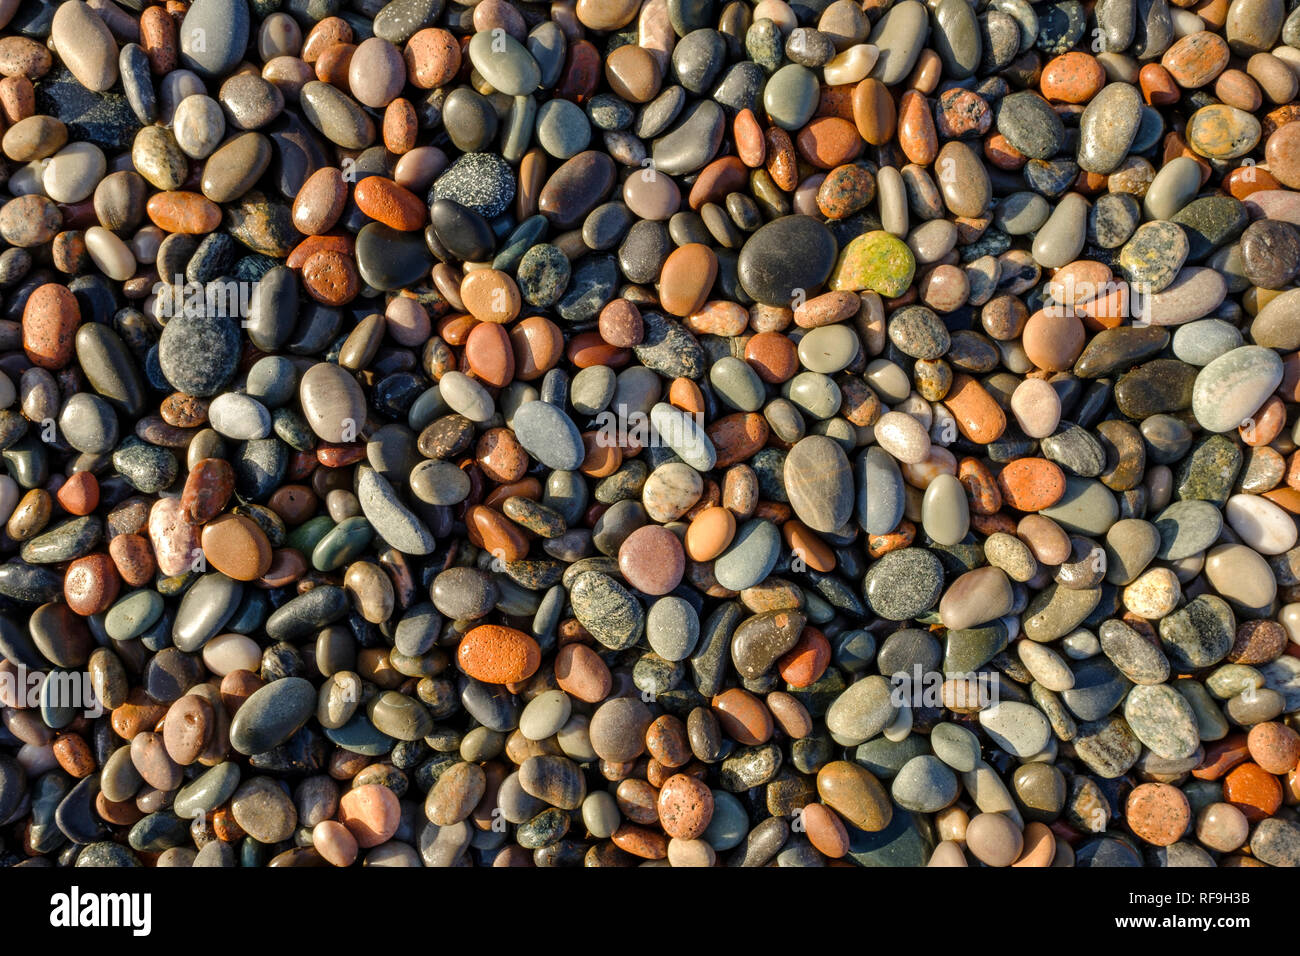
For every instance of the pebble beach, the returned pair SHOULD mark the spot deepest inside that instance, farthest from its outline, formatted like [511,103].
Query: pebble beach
[689,433]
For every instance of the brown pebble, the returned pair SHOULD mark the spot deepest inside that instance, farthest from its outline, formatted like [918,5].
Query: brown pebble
[91,584]
[187,729]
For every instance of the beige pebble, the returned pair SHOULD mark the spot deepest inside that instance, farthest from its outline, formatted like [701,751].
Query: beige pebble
[950,824]
[1241,574]
[1222,827]
[994,839]
[947,854]
[852,65]
[72,174]
[231,652]
[334,842]
[1036,407]
[903,437]
[111,255]
[1260,523]
[1045,665]
[690,853]
[1154,594]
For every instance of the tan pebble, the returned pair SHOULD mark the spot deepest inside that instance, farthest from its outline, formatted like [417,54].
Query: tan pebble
[903,437]
[825,830]
[334,842]
[1154,594]
[1036,407]
[947,854]
[690,853]
[1222,827]
[1046,539]
[994,839]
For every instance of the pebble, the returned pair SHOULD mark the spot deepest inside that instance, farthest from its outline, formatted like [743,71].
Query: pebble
[945,514]
[270,715]
[1200,634]
[1260,524]
[263,810]
[855,794]
[875,261]
[925,785]
[751,556]
[904,584]
[1030,125]
[550,436]
[1231,388]
[770,273]
[819,483]
[1222,132]
[1162,719]
[1158,813]
[1019,729]
[392,520]
[994,839]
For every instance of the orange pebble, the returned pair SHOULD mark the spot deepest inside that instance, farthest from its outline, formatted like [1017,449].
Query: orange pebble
[79,495]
